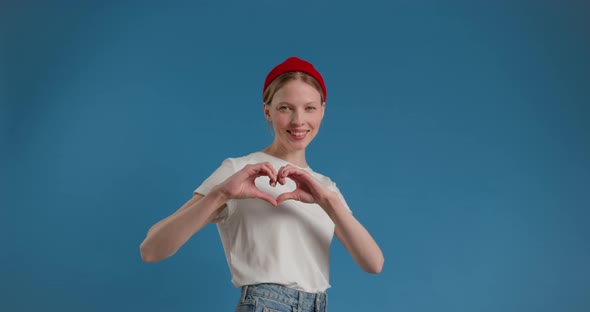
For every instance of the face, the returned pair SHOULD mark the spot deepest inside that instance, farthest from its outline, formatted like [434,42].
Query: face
[296,112]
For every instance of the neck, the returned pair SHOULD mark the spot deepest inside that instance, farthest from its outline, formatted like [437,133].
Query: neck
[296,157]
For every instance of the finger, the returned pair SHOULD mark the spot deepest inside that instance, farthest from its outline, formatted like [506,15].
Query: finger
[262,170]
[267,197]
[286,196]
[288,172]
[281,175]
[298,175]
[273,176]
[305,182]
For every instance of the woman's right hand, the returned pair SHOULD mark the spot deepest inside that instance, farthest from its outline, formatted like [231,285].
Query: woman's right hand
[241,184]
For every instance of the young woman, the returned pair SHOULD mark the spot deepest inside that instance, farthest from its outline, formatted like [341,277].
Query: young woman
[275,215]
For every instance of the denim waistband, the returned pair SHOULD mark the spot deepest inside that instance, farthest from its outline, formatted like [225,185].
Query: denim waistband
[290,296]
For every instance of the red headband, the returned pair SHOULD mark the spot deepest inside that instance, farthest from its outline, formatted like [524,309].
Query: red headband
[295,64]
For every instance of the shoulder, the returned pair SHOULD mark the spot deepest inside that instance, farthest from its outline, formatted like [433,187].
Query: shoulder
[239,162]
[331,185]
[325,180]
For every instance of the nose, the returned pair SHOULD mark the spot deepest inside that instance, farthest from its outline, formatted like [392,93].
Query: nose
[297,118]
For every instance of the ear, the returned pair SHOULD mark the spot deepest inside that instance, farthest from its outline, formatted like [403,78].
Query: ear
[266,110]
[323,109]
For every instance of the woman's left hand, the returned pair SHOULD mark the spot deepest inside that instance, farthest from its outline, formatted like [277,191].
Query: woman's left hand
[308,189]
[355,238]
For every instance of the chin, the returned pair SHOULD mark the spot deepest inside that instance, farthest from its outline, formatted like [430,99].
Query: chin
[297,146]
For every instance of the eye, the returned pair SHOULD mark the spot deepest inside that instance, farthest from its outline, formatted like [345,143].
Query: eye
[282,108]
[311,108]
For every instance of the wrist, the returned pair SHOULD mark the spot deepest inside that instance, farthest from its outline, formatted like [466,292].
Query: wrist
[329,201]
[219,192]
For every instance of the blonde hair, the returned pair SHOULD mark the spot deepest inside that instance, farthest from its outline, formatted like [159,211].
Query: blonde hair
[281,80]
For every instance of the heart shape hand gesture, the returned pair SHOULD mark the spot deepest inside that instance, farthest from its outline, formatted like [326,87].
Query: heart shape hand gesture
[242,185]
[308,189]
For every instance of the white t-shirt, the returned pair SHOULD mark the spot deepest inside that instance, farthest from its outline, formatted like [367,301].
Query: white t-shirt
[288,244]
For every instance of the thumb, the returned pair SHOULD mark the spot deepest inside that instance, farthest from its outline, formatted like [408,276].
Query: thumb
[265,196]
[286,196]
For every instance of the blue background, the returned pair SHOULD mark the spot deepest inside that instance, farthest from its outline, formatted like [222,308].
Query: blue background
[458,132]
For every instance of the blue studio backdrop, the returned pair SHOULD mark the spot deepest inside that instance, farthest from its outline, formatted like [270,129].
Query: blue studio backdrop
[458,132]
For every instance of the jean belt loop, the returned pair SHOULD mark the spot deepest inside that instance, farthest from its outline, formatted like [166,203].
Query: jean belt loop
[316,303]
[244,292]
[321,298]
[301,296]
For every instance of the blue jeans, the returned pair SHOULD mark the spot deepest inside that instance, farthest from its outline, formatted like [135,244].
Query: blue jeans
[278,298]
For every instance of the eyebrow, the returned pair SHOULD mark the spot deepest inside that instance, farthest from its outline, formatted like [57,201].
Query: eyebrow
[287,103]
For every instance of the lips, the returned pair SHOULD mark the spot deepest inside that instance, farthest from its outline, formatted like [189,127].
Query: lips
[298,134]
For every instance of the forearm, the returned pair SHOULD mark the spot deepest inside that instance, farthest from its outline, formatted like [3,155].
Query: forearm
[353,235]
[168,235]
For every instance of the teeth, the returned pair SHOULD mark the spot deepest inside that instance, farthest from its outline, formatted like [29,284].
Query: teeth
[298,133]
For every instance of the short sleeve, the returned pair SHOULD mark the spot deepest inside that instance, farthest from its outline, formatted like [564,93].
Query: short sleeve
[334,188]
[224,171]
[218,176]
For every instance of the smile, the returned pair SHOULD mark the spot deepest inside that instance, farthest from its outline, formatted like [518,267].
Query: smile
[298,135]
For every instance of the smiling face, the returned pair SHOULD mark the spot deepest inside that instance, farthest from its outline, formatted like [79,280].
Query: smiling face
[296,111]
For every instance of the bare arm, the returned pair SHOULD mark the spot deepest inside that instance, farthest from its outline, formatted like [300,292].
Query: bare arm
[355,238]
[168,235]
